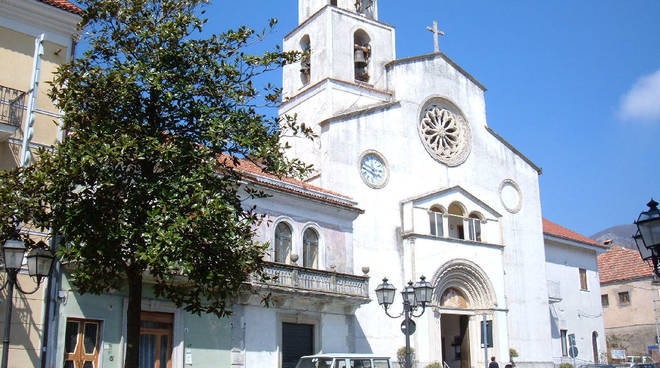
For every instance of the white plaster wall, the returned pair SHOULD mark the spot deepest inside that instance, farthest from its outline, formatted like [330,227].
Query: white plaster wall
[413,172]
[333,224]
[335,334]
[307,8]
[331,41]
[579,312]
[261,338]
[320,102]
[432,254]
[332,89]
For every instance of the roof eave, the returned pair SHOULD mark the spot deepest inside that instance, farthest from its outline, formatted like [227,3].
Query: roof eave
[308,194]
[575,243]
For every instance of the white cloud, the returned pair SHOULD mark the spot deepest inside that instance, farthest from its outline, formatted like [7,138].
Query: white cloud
[642,101]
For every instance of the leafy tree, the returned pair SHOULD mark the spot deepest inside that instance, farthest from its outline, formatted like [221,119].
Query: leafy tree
[144,183]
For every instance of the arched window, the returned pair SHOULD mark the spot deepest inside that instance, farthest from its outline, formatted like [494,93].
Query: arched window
[282,242]
[305,62]
[361,55]
[474,220]
[311,248]
[435,220]
[456,215]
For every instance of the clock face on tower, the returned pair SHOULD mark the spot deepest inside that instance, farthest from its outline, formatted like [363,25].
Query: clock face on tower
[373,169]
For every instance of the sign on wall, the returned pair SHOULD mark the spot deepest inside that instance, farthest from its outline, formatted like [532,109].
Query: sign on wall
[618,353]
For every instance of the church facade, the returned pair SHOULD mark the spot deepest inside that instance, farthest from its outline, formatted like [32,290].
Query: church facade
[440,194]
[410,181]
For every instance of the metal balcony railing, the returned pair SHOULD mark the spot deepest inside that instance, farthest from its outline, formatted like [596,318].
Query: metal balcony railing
[307,279]
[12,106]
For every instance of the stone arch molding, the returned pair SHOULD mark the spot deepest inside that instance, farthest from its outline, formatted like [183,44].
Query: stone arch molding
[467,277]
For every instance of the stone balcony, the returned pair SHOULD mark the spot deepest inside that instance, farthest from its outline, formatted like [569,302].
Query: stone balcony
[291,286]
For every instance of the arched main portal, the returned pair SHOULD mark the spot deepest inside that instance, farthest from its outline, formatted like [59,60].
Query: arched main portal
[462,292]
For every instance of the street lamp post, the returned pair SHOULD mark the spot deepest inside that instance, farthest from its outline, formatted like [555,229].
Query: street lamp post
[648,235]
[414,296]
[39,262]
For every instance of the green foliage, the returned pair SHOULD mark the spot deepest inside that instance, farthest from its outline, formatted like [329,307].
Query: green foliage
[513,353]
[155,114]
[434,365]
[401,355]
[144,182]
[23,205]
[566,365]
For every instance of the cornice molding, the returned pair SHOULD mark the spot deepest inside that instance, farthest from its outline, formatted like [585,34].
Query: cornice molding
[33,17]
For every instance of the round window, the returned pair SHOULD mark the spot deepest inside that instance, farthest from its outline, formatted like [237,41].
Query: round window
[445,133]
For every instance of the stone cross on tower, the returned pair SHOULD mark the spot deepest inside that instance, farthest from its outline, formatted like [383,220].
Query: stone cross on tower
[436,32]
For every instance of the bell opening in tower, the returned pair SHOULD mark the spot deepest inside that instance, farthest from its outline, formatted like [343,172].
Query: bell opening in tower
[305,61]
[362,54]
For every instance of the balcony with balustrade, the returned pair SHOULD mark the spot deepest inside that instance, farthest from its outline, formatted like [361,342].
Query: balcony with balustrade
[295,284]
[12,109]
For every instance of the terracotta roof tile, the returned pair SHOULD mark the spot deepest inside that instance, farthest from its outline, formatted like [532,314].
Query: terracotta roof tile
[252,171]
[64,5]
[620,263]
[554,229]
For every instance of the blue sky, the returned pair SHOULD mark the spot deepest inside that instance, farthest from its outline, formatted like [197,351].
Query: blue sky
[570,83]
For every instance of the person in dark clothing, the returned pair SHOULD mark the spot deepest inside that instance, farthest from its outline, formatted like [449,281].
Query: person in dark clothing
[493,363]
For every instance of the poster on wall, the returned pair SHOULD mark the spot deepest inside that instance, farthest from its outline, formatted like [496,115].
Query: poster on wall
[618,354]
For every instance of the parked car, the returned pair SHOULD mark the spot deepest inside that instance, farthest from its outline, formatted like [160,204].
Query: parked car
[344,361]
[635,365]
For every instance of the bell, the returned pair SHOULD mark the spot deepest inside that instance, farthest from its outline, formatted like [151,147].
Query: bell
[360,60]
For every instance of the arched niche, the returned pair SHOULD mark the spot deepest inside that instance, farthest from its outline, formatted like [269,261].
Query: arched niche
[361,55]
[305,61]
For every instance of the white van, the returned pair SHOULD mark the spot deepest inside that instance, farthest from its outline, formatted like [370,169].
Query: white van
[344,361]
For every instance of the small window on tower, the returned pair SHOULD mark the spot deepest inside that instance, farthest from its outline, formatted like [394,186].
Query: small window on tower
[362,54]
[305,61]
[333,2]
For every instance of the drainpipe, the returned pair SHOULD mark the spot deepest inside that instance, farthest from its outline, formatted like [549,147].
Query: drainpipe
[53,282]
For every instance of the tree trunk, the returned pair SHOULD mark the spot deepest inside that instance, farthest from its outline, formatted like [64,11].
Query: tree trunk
[133,319]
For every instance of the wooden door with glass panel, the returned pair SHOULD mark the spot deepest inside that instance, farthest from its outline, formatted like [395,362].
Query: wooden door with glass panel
[156,340]
[81,343]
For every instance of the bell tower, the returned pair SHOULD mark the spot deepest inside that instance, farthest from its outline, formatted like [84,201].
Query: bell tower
[347,48]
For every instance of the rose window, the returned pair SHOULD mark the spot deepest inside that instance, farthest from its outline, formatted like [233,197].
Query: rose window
[446,136]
